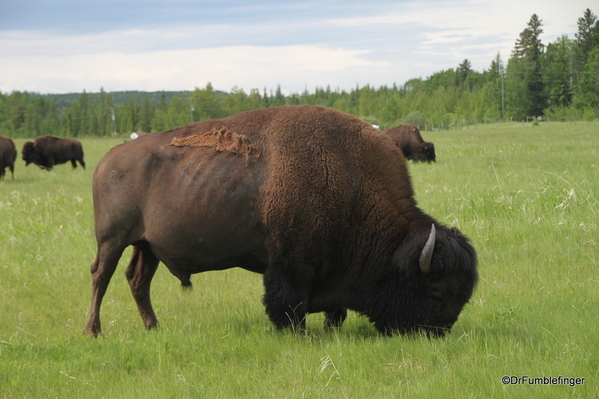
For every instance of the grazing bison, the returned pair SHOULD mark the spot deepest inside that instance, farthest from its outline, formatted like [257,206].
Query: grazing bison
[8,154]
[408,138]
[47,151]
[318,201]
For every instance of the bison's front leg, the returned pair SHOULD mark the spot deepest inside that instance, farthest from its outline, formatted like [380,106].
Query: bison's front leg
[286,304]
[335,318]
[141,270]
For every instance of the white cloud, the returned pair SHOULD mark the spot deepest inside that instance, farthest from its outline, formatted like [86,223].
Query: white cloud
[295,46]
[245,66]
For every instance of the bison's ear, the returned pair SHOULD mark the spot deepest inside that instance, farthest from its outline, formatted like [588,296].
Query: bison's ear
[427,252]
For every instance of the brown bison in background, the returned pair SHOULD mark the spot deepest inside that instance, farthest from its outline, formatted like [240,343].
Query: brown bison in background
[47,151]
[408,138]
[8,154]
[316,200]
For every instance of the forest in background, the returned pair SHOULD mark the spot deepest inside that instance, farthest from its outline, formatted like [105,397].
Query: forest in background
[558,81]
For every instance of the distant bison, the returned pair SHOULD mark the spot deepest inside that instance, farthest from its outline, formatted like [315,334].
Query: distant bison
[408,138]
[8,154]
[318,201]
[47,151]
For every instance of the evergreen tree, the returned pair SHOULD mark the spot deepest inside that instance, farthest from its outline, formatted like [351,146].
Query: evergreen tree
[462,72]
[17,110]
[495,71]
[103,113]
[586,39]
[588,85]
[527,85]
[79,116]
[129,116]
[279,98]
[147,114]
[265,101]
[557,72]
[491,97]
[254,100]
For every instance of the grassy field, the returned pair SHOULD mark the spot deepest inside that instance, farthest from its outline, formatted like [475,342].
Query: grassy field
[527,196]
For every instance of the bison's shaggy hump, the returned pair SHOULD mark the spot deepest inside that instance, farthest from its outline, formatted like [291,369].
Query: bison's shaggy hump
[221,140]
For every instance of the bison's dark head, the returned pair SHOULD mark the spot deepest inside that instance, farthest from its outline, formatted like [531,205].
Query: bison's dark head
[437,276]
[427,153]
[30,153]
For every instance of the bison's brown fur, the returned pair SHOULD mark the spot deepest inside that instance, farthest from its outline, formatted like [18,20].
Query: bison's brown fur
[408,138]
[220,140]
[326,212]
[47,151]
[8,154]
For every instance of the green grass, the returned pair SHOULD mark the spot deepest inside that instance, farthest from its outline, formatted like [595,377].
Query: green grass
[528,197]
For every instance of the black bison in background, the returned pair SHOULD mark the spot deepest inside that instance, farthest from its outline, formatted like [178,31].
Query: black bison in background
[47,151]
[8,154]
[317,200]
[408,138]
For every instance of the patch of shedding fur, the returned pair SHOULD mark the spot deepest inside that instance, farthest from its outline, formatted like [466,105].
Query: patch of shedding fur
[221,140]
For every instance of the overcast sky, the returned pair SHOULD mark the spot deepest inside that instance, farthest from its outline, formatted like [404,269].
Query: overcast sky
[62,46]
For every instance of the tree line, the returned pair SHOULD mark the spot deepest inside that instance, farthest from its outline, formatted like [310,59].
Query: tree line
[559,81]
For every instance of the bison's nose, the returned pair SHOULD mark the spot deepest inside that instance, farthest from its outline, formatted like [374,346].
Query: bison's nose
[439,334]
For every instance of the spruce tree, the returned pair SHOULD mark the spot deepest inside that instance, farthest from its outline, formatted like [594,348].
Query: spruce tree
[587,38]
[462,72]
[557,72]
[525,72]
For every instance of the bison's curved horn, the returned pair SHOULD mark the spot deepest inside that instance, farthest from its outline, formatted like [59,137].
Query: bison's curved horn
[427,252]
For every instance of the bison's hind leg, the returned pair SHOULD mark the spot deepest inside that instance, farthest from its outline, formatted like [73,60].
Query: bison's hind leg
[74,162]
[102,270]
[141,270]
